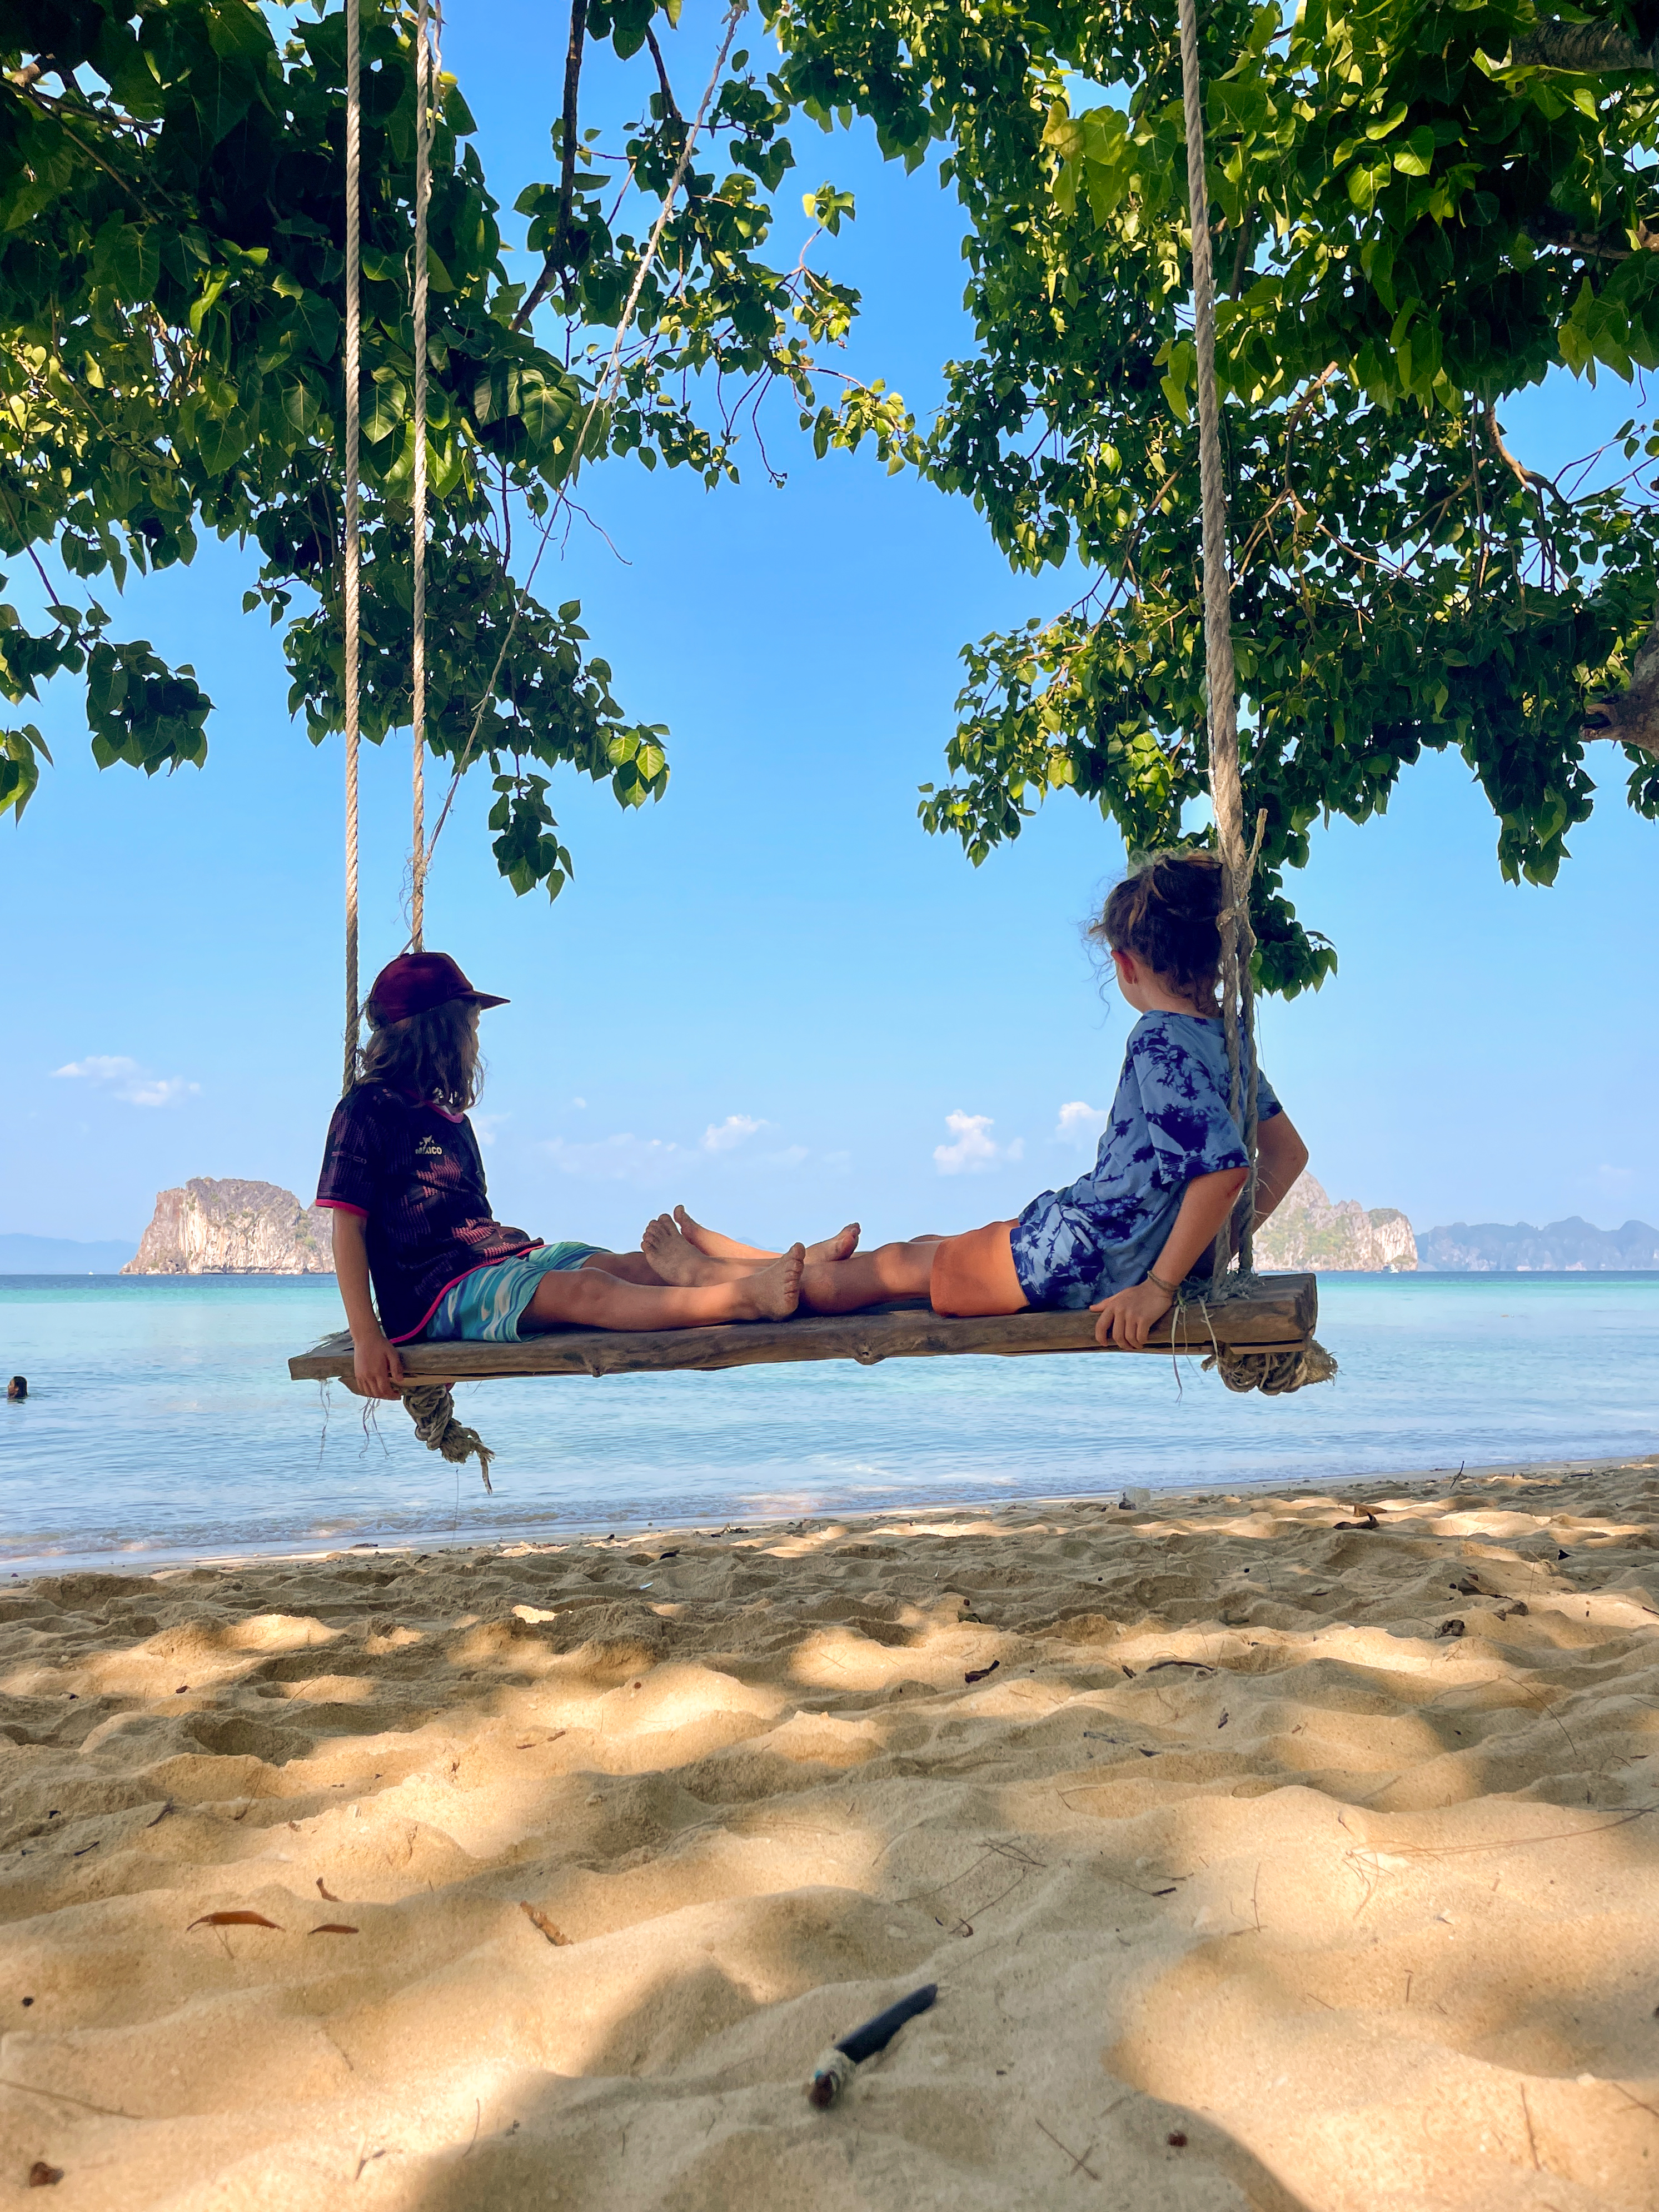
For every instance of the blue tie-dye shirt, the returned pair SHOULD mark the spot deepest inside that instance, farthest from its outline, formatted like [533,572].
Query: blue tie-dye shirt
[1171,1121]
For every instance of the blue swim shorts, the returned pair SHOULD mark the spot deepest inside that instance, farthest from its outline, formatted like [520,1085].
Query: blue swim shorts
[487,1305]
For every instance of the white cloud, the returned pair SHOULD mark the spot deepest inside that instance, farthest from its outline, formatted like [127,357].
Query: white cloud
[790,1157]
[623,1158]
[126,1080]
[736,1129]
[578,1102]
[485,1125]
[974,1150]
[99,1068]
[1079,1123]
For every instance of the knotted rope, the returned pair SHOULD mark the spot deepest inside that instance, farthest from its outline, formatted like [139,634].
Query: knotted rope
[431,1406]
[1275,1369]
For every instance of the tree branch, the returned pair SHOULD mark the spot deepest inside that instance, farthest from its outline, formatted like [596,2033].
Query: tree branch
[558,253]
[1242,258]
[1552,234]
[671,111]
[1586,49]
[1533,480]
[669,106]
[1630,717]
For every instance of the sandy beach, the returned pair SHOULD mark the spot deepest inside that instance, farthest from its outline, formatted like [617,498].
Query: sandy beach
[1288,1852]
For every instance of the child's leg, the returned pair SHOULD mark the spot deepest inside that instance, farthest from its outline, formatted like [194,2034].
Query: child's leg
[830,1286]
[713,1246]
[587,1298]
[970,1274]
[974,1273]
[631,1267]
[869,1278]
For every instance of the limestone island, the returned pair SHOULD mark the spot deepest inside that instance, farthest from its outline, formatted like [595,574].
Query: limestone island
[227,1226]
[1309,1231]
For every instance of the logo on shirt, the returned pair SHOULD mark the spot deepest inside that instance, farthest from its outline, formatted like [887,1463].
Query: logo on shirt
[430,1149]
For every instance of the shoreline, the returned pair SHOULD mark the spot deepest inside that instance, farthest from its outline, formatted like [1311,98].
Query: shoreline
[1270,1849]
[23,1567]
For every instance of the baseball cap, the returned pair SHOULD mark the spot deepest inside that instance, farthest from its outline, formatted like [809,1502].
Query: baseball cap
[414,983]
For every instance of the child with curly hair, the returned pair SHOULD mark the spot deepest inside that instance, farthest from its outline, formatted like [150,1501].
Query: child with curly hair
[1123,1238]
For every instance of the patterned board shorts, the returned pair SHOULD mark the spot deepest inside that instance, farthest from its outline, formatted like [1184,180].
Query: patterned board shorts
[487,1305]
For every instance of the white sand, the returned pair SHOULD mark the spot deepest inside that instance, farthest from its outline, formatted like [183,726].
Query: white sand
[1341,1911]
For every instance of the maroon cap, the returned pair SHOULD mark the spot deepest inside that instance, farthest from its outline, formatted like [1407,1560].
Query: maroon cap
[414,983]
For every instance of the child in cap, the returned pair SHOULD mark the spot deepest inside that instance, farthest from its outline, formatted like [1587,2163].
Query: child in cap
[417,1252]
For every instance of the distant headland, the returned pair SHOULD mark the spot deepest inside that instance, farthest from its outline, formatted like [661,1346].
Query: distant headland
[1570,1247]
[231,1227]
[1309,1231]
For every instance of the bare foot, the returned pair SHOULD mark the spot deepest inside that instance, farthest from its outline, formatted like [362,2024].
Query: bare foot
[677,1261]
[710,1243]
[771,1293]
[713,1246]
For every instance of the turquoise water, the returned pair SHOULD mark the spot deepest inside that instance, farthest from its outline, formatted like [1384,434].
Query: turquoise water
[161,1420]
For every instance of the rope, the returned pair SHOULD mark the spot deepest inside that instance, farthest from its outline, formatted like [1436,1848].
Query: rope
[353,549]
[425,62]
[610,377]
[1293,1366]
[1226,795]
[431,1406]
[1273,1372]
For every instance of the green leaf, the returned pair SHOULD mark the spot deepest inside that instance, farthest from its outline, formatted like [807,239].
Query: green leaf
[21,753]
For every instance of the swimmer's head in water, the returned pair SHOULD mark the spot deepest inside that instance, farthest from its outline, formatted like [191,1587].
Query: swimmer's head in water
[17,1388]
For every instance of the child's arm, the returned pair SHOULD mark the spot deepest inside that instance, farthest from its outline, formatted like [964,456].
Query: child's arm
[377,1368]
[1280,1157]
[1126,1317]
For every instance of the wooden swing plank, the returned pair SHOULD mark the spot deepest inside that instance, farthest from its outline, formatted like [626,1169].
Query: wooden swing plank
[1280,1310]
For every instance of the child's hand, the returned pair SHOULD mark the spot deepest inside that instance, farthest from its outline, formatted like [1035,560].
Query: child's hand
[377,1367]
[1126,1317]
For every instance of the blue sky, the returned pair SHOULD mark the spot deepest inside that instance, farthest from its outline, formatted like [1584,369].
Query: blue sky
[770,995]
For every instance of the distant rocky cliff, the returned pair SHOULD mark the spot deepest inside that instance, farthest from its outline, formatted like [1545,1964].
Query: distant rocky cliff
[229,1227]
[1309,1231]
[1568,1246]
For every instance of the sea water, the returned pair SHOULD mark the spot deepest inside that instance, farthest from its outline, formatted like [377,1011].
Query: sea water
[161,1422]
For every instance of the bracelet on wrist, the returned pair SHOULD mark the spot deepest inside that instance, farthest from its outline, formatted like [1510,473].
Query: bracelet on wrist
[1169,1290]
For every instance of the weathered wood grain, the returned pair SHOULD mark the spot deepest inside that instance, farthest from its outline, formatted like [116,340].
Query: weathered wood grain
[1282,1309]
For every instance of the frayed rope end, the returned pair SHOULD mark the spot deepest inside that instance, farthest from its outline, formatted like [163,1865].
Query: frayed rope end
[431,1406]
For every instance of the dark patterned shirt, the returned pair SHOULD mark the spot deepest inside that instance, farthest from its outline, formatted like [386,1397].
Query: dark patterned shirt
[412,1171]
[1170,1122]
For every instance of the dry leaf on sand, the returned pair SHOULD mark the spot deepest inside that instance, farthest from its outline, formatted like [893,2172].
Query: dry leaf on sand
[540,1920]
[235,1920]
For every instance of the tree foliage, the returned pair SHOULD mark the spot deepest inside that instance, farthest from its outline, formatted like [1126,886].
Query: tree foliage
[172,267]
[1419,208]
